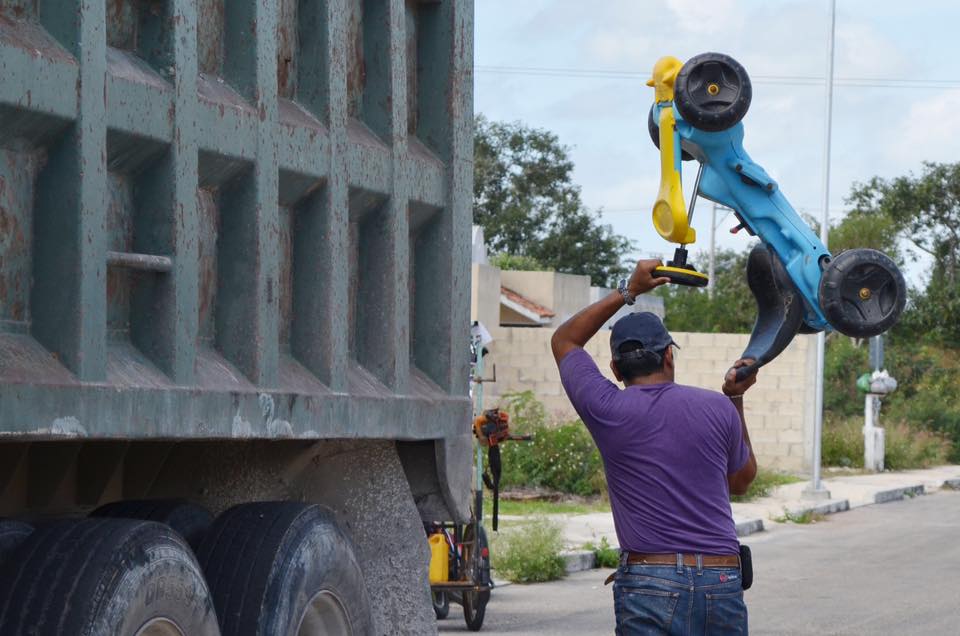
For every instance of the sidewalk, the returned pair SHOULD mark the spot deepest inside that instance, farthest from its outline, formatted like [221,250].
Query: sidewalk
[846,492]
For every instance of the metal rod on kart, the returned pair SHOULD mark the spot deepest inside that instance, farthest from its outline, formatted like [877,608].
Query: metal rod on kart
[696,191]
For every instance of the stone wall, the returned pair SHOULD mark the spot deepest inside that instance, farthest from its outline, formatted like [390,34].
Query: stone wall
[779,409]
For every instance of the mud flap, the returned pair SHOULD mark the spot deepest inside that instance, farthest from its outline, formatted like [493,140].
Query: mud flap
[779,309]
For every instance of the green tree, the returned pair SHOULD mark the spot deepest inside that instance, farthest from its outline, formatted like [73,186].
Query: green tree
[732,308]
[528,205]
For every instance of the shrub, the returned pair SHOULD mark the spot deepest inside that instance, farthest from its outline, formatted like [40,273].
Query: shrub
[562,457]
[842,443]
[905,446]
[844,362]
[928,397]
[530,553]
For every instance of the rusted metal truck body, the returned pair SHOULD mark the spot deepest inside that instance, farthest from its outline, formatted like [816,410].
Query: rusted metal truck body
[234,266]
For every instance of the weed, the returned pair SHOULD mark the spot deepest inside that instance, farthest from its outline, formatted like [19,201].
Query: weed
[530,553]
[606,555]
[804,517]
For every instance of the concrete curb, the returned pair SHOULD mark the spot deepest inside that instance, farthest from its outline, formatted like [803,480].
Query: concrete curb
[582,560]
[830,507]
[898,494]
[748,527]
[578,560]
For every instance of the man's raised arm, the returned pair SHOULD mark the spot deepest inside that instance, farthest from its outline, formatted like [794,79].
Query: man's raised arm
[576,331]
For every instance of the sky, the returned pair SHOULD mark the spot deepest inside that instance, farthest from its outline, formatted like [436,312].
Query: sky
[579,69]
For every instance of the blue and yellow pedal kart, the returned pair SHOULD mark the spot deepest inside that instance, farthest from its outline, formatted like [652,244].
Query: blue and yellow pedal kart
[799,286]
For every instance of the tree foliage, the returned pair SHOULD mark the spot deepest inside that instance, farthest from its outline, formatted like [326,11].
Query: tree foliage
[732,308]
[925,210]
[528,205]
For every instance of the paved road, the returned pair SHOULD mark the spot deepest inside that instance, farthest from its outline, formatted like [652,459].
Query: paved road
[889,569]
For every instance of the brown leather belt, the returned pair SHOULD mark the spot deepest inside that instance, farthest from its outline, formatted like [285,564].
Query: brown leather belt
[707,560]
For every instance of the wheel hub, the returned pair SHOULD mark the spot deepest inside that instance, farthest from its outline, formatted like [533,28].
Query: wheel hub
[159,626]
[324,615]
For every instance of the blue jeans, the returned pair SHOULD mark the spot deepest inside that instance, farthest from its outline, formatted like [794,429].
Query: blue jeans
[665,599]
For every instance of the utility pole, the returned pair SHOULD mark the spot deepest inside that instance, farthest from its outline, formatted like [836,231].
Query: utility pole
[816,489]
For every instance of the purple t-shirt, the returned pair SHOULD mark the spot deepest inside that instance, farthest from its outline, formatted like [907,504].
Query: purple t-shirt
[667,450]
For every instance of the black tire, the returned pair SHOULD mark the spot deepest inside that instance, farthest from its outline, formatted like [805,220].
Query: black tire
[697,103]
[475,603]
[90,577]
[441,605]
[654,131]
[12,534]
[284,568]
[862,293]
[189,519]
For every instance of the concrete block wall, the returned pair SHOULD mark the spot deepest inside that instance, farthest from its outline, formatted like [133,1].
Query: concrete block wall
[779,408]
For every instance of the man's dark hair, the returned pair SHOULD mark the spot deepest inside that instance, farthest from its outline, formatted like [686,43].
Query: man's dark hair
[636,362]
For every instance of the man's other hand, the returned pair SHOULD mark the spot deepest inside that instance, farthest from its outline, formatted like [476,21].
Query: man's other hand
[730,385]
[642,280]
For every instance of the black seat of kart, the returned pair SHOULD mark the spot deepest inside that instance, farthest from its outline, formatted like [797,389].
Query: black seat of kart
[779,309]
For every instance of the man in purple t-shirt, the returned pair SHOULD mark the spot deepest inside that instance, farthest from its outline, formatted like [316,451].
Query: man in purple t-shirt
[673,454]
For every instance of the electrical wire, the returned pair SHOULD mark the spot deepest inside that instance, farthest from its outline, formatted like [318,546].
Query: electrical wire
[787,80]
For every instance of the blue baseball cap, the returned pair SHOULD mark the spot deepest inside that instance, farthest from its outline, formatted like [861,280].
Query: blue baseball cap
[643,327]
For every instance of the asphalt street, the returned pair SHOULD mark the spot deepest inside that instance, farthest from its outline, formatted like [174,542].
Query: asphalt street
[883,569]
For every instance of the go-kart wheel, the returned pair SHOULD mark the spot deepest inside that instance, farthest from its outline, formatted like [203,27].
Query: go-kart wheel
[862,293]
[712,91]
[655,135]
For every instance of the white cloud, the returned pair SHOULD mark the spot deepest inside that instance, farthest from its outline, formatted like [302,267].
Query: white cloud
[929,131]
[707,16]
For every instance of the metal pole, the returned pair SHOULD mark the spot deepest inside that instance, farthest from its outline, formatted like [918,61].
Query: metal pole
[713,251]
[816,488]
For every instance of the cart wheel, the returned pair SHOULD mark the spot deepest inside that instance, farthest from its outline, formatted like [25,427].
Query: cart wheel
[712,92]
[654,130]
[475,603]
[862,293]
[441,605]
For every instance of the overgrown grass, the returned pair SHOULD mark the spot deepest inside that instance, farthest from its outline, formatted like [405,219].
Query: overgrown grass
[764,484]
[905,446]
[607,556]
[529,553]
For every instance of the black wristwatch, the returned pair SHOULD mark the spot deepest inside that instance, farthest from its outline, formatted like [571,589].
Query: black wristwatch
[628,298]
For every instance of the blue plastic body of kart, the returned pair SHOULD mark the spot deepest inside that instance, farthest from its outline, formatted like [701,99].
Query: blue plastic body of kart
[731,178]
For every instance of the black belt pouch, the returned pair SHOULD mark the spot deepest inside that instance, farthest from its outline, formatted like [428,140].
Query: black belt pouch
[746,567]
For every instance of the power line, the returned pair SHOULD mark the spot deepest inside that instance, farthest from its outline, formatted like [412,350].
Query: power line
[787,80]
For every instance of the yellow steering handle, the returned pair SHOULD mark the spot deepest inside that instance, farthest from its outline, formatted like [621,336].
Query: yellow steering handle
[669,210]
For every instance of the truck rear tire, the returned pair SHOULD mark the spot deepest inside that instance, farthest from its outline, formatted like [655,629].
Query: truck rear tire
[12,534]
[284,568]
[104,576]
[188,519]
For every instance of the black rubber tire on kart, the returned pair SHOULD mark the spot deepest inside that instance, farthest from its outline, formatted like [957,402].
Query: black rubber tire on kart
[862,293]
[441,604]
[696,100]
[189,519]
[89,577]
[284,568]
[475,603]
[654,131]
[12,534]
